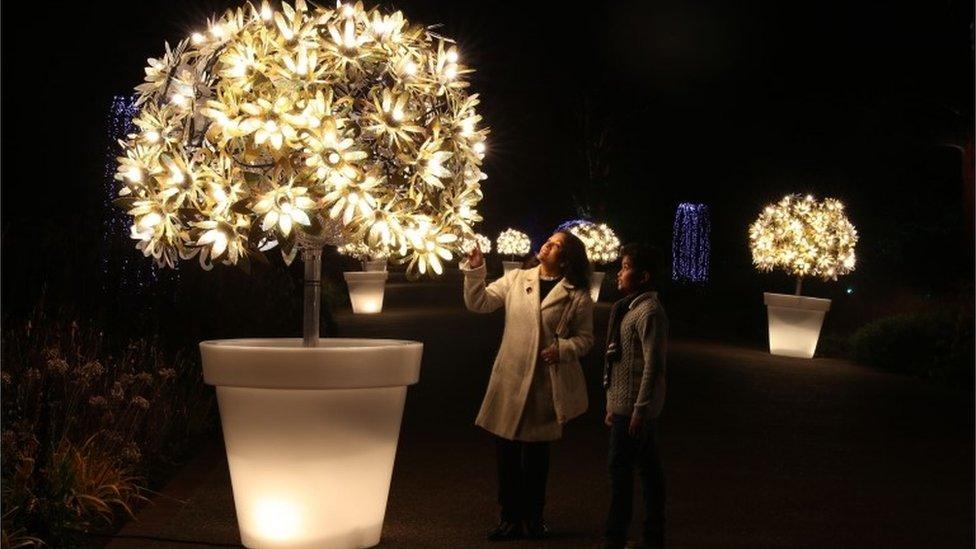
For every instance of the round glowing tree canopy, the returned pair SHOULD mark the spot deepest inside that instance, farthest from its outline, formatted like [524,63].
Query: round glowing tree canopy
[362,252]
[512,242]
[602,244]
[484,243]
[274,127]
[804,237]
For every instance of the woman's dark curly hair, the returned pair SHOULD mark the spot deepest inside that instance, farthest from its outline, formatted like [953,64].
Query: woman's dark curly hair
[575,263]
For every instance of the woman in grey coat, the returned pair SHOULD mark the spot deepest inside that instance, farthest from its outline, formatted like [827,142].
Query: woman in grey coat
[536,382]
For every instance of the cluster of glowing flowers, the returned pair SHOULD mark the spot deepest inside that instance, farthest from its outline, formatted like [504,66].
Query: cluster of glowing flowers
[304,124]
[804,237]
[512,242]
[602,244]
[483,242]
[362,252]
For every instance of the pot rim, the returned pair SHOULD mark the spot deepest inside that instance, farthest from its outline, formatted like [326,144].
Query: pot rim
[791,301]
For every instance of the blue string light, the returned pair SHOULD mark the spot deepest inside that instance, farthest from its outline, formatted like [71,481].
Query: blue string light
[691,246]
[123,272]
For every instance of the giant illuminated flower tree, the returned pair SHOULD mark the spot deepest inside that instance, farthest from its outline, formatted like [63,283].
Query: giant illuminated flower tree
[804,237]
[300,127]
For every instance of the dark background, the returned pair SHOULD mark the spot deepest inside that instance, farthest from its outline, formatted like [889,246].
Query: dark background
[733,104]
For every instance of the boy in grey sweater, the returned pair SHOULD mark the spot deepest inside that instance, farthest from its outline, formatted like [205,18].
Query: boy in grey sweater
[634,377]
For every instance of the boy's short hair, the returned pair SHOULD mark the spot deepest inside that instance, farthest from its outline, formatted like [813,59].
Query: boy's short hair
[644,258]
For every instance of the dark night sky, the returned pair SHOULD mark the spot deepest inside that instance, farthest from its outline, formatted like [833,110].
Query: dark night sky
[730,103]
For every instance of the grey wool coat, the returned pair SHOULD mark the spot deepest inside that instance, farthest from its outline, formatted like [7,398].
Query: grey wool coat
[518,404]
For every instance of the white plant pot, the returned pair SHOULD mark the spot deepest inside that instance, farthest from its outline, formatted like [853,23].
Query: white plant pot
[366,290]
[596,282]
[311,435]
[794,323]
[375,265]
[511,265]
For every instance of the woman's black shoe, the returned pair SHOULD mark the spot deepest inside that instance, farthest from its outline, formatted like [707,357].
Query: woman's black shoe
[505,531]
[536,529]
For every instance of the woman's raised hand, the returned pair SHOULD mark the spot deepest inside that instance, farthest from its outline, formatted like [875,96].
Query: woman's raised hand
[475,257]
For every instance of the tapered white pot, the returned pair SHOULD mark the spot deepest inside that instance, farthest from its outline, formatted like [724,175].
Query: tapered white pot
[511,265]
[375,265]
[311,434]
[794,323]
[366,290]
[596,282]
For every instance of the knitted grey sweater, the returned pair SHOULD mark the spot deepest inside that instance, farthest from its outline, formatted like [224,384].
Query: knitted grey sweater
[638,380]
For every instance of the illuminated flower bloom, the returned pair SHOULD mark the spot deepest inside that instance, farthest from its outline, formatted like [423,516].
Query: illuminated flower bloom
[388,28]
[283,207]
[222,236]
[273,123]
[136,166]
[430,246]
[392,118]
[349,197]
[331,155]
[180,182]
[241,63]
[430,163]
[158,71]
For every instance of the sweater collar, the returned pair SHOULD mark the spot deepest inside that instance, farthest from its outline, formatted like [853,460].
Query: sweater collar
[642,297]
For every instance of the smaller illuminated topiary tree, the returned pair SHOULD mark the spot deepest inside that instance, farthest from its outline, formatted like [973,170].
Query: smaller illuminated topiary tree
[483,242]
[804,237]
[513,243]
[602,244]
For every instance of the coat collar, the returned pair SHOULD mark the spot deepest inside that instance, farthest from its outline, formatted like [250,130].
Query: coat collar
[642,297]
[560,292]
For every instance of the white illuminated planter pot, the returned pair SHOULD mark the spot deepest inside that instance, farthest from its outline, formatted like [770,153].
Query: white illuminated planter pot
[374,265]
[596,282]
[794,323]
[511,265]
[366,290]
[311,435]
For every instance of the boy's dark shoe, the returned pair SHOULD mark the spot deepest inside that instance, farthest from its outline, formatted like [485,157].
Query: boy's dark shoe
[505,531]
[536,529]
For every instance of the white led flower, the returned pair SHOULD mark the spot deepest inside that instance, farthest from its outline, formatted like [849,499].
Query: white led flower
[283,208]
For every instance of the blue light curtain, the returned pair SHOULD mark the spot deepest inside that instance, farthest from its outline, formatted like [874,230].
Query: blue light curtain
[691,246]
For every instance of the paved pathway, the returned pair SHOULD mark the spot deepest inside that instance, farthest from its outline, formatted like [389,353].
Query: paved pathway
[759,451]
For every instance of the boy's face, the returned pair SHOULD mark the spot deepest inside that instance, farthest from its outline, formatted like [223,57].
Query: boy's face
[630,279]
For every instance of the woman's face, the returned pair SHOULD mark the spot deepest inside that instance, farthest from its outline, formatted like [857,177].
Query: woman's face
[551,252]
[629,279]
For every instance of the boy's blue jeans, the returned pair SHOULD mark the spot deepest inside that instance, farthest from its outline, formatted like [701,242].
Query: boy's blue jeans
[626,454]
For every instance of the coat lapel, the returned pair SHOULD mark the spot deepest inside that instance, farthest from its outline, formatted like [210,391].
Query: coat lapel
[559,293]
[530,281]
